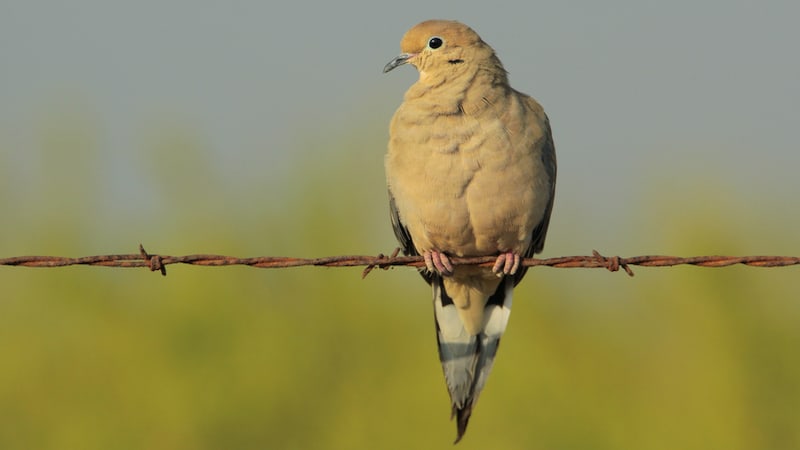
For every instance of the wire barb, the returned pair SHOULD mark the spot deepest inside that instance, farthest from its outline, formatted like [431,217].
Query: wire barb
[156,262]
[613,263]
[369,267]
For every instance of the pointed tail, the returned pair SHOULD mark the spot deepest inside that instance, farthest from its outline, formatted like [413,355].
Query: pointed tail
[467,359]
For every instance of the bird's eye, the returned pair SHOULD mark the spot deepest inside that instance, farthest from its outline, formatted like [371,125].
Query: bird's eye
[435,42]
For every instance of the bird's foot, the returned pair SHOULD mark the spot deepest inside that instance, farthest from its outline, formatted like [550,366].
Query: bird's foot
[506,264]
[438,262]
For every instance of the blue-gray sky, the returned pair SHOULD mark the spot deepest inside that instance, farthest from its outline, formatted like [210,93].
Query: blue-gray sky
[636,90]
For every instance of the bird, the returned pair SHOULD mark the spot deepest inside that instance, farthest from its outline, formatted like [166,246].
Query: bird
[471,171]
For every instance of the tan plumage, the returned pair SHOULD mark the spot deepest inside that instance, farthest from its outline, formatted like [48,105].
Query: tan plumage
[471,172]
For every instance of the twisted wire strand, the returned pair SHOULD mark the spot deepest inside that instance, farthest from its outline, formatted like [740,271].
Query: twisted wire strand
[156,262]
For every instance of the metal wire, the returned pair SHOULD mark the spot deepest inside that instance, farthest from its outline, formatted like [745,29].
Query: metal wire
[596,260]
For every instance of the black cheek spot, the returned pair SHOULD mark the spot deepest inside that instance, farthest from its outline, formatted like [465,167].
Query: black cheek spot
[456,61]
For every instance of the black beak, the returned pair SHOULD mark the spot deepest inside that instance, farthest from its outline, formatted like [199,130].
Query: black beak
[399,61]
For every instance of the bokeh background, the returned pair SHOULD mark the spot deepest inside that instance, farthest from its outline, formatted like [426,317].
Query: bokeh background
[248,128]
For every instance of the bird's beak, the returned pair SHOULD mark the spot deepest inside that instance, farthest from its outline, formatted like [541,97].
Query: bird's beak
[398,61]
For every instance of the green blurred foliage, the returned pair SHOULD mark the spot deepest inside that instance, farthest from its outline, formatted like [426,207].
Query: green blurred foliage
[241,358]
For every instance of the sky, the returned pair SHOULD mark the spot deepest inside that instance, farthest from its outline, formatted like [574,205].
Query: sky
[640,93]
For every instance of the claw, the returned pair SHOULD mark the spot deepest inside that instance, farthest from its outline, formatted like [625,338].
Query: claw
[438,262]
[506,264]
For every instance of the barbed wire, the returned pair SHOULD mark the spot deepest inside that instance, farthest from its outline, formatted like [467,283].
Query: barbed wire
[613,263]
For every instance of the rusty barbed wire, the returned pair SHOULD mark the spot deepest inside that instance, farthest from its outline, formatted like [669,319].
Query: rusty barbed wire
[159,263]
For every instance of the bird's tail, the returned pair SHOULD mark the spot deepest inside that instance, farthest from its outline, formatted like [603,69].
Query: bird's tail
[467,358]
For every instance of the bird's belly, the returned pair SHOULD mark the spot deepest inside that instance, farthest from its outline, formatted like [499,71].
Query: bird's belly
[474,213]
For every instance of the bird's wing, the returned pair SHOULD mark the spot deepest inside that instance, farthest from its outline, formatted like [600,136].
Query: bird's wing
[404,237]
[539,232]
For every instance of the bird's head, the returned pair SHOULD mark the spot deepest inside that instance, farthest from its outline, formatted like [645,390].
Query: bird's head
[440,47]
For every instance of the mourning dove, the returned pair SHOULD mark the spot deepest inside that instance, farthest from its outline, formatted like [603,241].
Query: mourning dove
[471,171]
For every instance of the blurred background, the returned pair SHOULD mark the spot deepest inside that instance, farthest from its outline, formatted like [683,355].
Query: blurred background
[249,129]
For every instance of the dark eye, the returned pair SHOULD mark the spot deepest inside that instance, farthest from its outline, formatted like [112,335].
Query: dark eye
[435,42]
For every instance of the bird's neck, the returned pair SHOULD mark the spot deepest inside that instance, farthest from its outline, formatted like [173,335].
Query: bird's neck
[464,92]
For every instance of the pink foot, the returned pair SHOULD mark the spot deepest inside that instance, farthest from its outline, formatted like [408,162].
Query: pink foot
[506,264]
[438,262]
